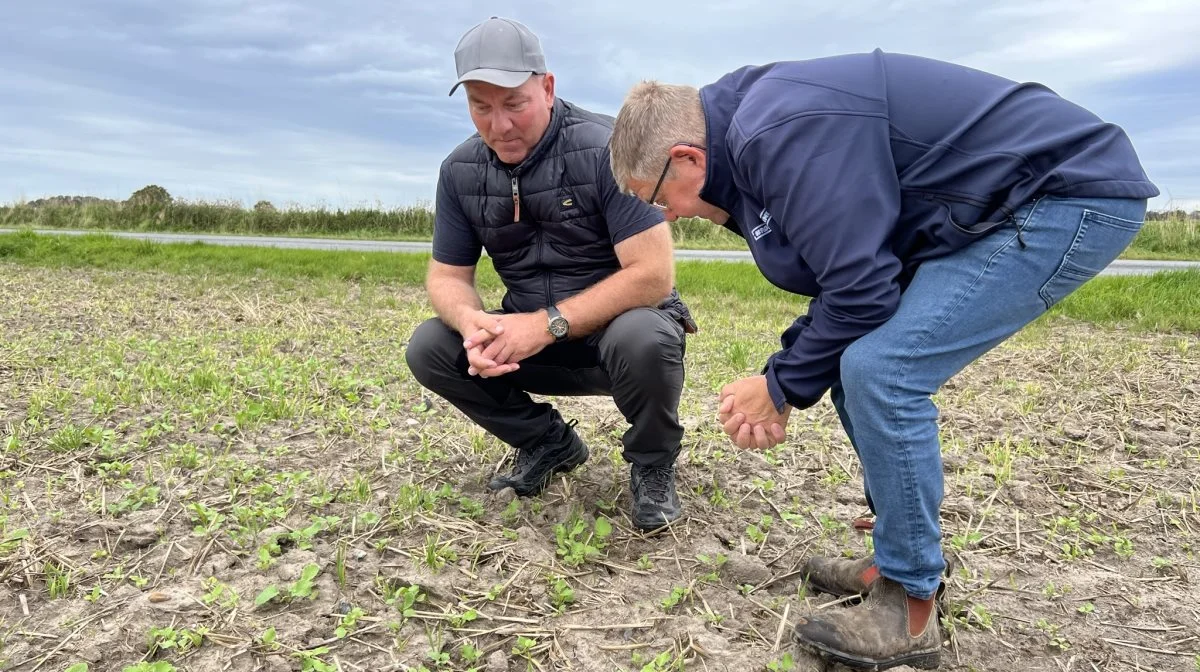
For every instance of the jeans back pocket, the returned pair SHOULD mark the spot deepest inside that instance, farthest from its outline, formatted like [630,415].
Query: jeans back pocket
[1099,240]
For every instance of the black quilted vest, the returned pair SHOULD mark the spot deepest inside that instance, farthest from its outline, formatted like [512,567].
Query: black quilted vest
[542,221]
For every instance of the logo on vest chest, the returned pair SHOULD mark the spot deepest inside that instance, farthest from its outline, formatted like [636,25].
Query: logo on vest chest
[764,228]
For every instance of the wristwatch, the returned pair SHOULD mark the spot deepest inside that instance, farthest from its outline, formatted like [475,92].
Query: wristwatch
[557,324]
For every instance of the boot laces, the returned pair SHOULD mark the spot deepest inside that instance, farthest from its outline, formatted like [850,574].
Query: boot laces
[656,482]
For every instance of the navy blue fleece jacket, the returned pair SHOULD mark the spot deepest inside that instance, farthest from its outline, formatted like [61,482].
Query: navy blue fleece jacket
[844,173]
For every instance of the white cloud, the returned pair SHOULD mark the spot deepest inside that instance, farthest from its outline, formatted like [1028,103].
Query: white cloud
[1077,42]
[372,75]
[119,152]
[307,100]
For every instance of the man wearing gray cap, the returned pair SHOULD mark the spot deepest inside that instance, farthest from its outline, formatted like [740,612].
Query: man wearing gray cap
[590,306]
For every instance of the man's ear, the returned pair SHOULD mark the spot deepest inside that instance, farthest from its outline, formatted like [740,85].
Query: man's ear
[548,87]
[689,154]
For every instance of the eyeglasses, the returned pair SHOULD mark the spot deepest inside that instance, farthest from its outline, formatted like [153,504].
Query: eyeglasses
[663,176]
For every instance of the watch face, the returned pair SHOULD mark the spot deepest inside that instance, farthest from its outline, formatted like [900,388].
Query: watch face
[558,327]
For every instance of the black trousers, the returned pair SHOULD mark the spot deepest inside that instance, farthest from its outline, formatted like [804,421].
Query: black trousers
[637,360]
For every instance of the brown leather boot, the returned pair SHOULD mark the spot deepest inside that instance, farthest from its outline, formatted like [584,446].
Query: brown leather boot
[840,576]
[887,630]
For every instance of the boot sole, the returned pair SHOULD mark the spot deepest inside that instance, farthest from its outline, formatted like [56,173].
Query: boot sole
[653,525]
[573,460]
[923,660]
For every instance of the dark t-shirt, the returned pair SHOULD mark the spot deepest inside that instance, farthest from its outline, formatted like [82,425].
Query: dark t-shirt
[455,242]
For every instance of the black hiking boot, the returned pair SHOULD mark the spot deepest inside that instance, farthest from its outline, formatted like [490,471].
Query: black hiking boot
[655,502]
[887,630]
[562,451]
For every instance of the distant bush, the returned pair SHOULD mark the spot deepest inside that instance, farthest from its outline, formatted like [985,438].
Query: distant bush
[150,195]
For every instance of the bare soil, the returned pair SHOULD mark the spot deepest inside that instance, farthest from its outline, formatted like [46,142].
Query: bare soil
[171,447]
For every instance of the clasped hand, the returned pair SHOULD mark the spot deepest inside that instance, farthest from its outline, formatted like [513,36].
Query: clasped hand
[496,344]
[748,415]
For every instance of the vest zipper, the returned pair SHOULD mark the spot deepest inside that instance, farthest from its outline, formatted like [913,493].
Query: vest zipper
[516,195]
[516,200]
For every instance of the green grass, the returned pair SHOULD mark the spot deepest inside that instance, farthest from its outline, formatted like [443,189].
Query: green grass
[104,251]
[724,290]
[1173,238]
[1167,301]
[1167,239]
[410,224]
[401,223]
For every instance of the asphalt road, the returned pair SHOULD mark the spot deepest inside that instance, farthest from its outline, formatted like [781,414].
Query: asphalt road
[1119,267]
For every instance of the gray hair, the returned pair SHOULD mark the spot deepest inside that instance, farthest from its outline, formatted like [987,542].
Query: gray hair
[653,118]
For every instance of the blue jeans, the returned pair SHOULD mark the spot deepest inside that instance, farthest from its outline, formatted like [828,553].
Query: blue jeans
[957,308]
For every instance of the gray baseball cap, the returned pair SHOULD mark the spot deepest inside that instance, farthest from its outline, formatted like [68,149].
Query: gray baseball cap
[498,51]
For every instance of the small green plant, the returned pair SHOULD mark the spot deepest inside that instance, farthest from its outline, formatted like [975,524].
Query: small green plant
[714,564]
[963,541]
[403,598]
[976,617]
[677,595]
[785,664]
[206,520]
[1075,551]
[460,620]
[181,640]
[511,513]
[302,588]
[348,622]
[1057,641]
[561,593]
[470,508]
[835,476]
[1054,592]
[58,581]
[219,592]
[737,352]
[576,544]
[310,660]
[156,666]
[12,540]
[524,648]
[663,662]
[267,640]
[758,532]
[436,554]
[339,563]
[469,652]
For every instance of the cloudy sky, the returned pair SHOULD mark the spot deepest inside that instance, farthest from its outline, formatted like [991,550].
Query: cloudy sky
[316,103]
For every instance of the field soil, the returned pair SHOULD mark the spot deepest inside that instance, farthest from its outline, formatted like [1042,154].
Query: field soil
[212,473]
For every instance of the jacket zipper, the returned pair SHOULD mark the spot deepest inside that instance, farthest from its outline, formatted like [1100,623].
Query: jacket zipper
[516,191]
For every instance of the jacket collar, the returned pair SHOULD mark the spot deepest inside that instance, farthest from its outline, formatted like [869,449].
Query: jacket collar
[719,102]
